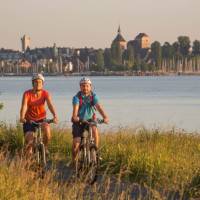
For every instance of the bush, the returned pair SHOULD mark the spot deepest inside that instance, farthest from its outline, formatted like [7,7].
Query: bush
[1,106]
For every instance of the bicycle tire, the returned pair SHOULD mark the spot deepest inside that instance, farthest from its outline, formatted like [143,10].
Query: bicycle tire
[79,163]
[42,155]
[37,153]
[93,166]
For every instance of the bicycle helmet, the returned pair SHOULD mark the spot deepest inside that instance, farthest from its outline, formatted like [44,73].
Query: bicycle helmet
[38,76]
[85,80]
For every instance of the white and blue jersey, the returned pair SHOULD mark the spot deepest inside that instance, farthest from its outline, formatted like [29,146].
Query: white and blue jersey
[86,109]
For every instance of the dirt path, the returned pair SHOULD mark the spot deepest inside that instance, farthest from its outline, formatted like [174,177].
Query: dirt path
[110,186]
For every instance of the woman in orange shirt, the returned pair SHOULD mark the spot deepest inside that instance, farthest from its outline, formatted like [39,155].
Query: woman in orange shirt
[33,109]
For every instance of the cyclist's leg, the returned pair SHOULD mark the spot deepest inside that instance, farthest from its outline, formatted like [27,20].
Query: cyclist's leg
[28,129]
[95,135]
[46,134]
[29,139]
[75,147]
[77,130]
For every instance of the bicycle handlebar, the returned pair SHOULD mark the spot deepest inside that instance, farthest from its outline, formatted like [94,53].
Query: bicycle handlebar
[49,121]
[97,121]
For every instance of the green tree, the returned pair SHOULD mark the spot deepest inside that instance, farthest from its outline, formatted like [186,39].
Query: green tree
[167,55]
[167,50]
[196,48]
[100,60]
[176,54]
[1,106]
[137,63]
[129,56]
[156,54]
[144,66]
[184,42]
[107,57]
[196,53]
[176,49]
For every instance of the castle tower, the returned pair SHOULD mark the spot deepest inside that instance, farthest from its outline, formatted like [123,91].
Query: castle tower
[26,40]
[55,51]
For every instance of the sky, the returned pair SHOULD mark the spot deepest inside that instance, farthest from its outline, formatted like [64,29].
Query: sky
[94,23]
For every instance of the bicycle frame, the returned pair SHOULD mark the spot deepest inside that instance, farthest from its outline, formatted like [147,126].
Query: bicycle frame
[87,160]
[39,147]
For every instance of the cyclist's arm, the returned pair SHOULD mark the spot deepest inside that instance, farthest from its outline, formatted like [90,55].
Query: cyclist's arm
[51,108]
[102,112]
[23,109]
[75,117]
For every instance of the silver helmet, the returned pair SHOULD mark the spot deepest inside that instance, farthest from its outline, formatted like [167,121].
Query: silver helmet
[38,76]
[85,80]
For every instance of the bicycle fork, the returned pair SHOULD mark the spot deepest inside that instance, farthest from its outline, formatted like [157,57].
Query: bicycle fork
[90,144]
[86,148]
[41,155]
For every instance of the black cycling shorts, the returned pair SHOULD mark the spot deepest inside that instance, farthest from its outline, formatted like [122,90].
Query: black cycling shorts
[28,127]
[78,129]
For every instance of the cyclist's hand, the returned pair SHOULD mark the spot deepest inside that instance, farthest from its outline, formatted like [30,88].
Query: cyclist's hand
[22,120]
[75,119]
[106,120]
[55,120]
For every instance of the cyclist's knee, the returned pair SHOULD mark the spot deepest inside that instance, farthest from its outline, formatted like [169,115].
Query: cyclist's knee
[94,129]
[76,142]
[47,135]
[46,131]
[45,127]
[29,137]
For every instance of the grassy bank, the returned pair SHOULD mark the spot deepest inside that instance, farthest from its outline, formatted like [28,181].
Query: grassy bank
[166,163]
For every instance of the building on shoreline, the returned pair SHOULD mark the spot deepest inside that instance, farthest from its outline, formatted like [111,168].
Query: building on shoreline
[141,45]
[137,55]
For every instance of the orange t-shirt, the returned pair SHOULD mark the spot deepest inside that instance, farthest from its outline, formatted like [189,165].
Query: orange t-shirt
[35,105]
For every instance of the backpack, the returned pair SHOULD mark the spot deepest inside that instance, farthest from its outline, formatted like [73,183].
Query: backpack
[81,100]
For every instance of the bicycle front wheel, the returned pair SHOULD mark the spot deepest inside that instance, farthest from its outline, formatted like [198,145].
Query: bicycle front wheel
[79,163]
[42,155]
[93,166]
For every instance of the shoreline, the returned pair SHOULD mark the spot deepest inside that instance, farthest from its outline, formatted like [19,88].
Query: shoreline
[111,73]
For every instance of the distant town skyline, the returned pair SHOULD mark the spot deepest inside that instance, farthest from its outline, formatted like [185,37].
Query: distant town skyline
[94,23]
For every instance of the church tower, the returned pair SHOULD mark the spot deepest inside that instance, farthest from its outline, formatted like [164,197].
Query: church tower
[119,39]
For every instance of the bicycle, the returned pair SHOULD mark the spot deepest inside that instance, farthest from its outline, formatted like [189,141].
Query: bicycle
[39,151]
[87,160]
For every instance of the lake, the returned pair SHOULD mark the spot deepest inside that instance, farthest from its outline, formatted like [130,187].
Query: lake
[164,101]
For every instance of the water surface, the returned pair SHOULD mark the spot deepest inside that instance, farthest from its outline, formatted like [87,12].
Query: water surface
[129,101]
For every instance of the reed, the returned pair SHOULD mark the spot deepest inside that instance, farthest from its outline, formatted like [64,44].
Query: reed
[165,163]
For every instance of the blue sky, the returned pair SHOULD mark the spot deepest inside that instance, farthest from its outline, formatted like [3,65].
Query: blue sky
[94,23]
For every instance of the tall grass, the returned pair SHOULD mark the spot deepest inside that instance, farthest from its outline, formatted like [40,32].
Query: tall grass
[18,183]
[167,162]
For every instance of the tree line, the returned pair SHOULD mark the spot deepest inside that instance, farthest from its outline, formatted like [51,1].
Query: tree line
[180,56]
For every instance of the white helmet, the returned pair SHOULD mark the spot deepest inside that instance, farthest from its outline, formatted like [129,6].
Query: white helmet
[85,80]
[38,76]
